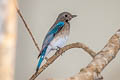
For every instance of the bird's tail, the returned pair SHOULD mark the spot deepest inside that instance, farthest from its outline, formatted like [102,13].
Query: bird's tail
[42,55]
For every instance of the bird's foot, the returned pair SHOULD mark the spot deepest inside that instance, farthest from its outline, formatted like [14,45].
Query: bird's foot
[46,58]
[58,48]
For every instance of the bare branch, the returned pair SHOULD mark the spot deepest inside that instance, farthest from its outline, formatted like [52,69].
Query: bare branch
[28,29]
[60,52]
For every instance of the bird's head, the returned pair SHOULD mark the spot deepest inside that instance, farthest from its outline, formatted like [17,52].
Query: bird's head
[65,16]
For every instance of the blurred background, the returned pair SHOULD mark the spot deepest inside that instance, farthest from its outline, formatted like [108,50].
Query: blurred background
[97,21]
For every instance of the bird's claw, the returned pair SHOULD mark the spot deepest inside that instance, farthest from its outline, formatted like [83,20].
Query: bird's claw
[46,58]
[58,48]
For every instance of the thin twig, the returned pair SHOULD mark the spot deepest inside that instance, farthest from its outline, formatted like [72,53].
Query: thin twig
[26,26]
[60,52]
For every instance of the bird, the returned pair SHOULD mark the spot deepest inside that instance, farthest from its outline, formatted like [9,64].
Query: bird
[56,37]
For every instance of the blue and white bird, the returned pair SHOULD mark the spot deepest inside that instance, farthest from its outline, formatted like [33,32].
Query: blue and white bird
[56,36]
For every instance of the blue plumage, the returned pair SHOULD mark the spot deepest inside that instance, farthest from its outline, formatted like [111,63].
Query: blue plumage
[60,23]
[50,35]
[41,58]
[56,36]
[55,29]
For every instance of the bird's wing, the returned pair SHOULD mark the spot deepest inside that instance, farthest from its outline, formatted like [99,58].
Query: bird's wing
[51,33]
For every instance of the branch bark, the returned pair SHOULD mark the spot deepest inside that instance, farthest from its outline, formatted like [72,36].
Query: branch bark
[60,52]
[7,39]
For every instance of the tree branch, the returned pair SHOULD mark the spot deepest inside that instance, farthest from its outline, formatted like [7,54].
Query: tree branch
[60,52]
[100,61]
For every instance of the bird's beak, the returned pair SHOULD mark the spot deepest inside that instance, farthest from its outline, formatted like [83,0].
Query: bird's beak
[74,16]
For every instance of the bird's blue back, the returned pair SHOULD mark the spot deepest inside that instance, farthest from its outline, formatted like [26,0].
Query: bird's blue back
[51,33]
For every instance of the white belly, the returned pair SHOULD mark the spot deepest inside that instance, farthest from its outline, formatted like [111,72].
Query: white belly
[55,44]
[59,43]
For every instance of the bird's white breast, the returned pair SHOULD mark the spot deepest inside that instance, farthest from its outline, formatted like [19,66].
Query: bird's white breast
[59,43]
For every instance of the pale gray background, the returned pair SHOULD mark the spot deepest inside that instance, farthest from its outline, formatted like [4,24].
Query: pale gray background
[97,21]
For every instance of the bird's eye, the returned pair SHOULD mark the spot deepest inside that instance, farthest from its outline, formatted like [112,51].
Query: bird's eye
[66,15]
